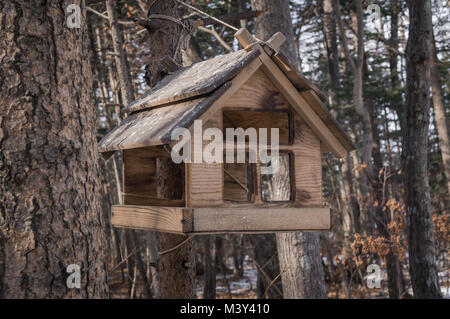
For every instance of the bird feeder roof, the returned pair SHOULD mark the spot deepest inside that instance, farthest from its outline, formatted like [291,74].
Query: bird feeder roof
[183,96]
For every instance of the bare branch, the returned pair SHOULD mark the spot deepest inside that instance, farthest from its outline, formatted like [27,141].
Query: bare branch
[217,36]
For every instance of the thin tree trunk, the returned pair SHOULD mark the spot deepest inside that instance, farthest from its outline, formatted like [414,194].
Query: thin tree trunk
[50,192]
[366,144]
[238,256]
[152,239]
[127,94]
[209,290]
[329,30]
[439,111]
[422,258]
[126,87]
[393,266]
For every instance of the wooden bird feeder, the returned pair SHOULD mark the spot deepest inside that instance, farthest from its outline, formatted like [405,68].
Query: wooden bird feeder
[252,88]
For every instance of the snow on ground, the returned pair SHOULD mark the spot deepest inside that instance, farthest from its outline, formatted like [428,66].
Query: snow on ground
[238,286]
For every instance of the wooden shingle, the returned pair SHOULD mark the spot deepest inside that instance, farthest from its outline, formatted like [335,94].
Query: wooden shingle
[198,79]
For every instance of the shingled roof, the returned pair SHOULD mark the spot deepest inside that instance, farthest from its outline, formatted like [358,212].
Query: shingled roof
[180,98]
[195,80]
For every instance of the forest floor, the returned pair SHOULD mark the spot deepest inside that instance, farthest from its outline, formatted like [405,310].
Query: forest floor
[234,287]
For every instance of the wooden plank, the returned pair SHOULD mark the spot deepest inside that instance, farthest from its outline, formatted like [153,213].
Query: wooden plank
[142,200]
[307,166]
[260,119]
[276,41]
[296,77]
[195,80]
[166,219]
[244,38]
[258,93]
[322,111]
[301,106]
[223,220]
[206,180]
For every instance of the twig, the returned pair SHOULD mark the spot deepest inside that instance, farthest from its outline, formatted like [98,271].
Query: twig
[104,16]
[270,285]
[176,247]
[133,283]
[217,36]
[267,277]
[207,15]
[134,251]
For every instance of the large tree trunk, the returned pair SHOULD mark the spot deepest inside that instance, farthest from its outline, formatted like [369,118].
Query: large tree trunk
[439,111]
[50,194]
[422,259]
[178,266]
[298,253]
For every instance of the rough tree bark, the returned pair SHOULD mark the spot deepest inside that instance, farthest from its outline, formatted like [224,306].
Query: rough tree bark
[422,258]
[177,267]
[298,253]
[50,192]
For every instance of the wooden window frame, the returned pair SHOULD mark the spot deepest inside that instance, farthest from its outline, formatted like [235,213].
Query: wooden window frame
[291,179]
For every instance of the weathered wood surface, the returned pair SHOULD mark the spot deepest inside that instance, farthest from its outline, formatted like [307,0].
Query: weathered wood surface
[260,120]
[296,78]
[195,80]
[139,170]
[166,219]
[301,106]
[220,220]
[238,183]
[223,220]
[262,91]
[322,111]
[257,93]
[307,166]
[140,177]
[154,126]
[276,41]
[204,181]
